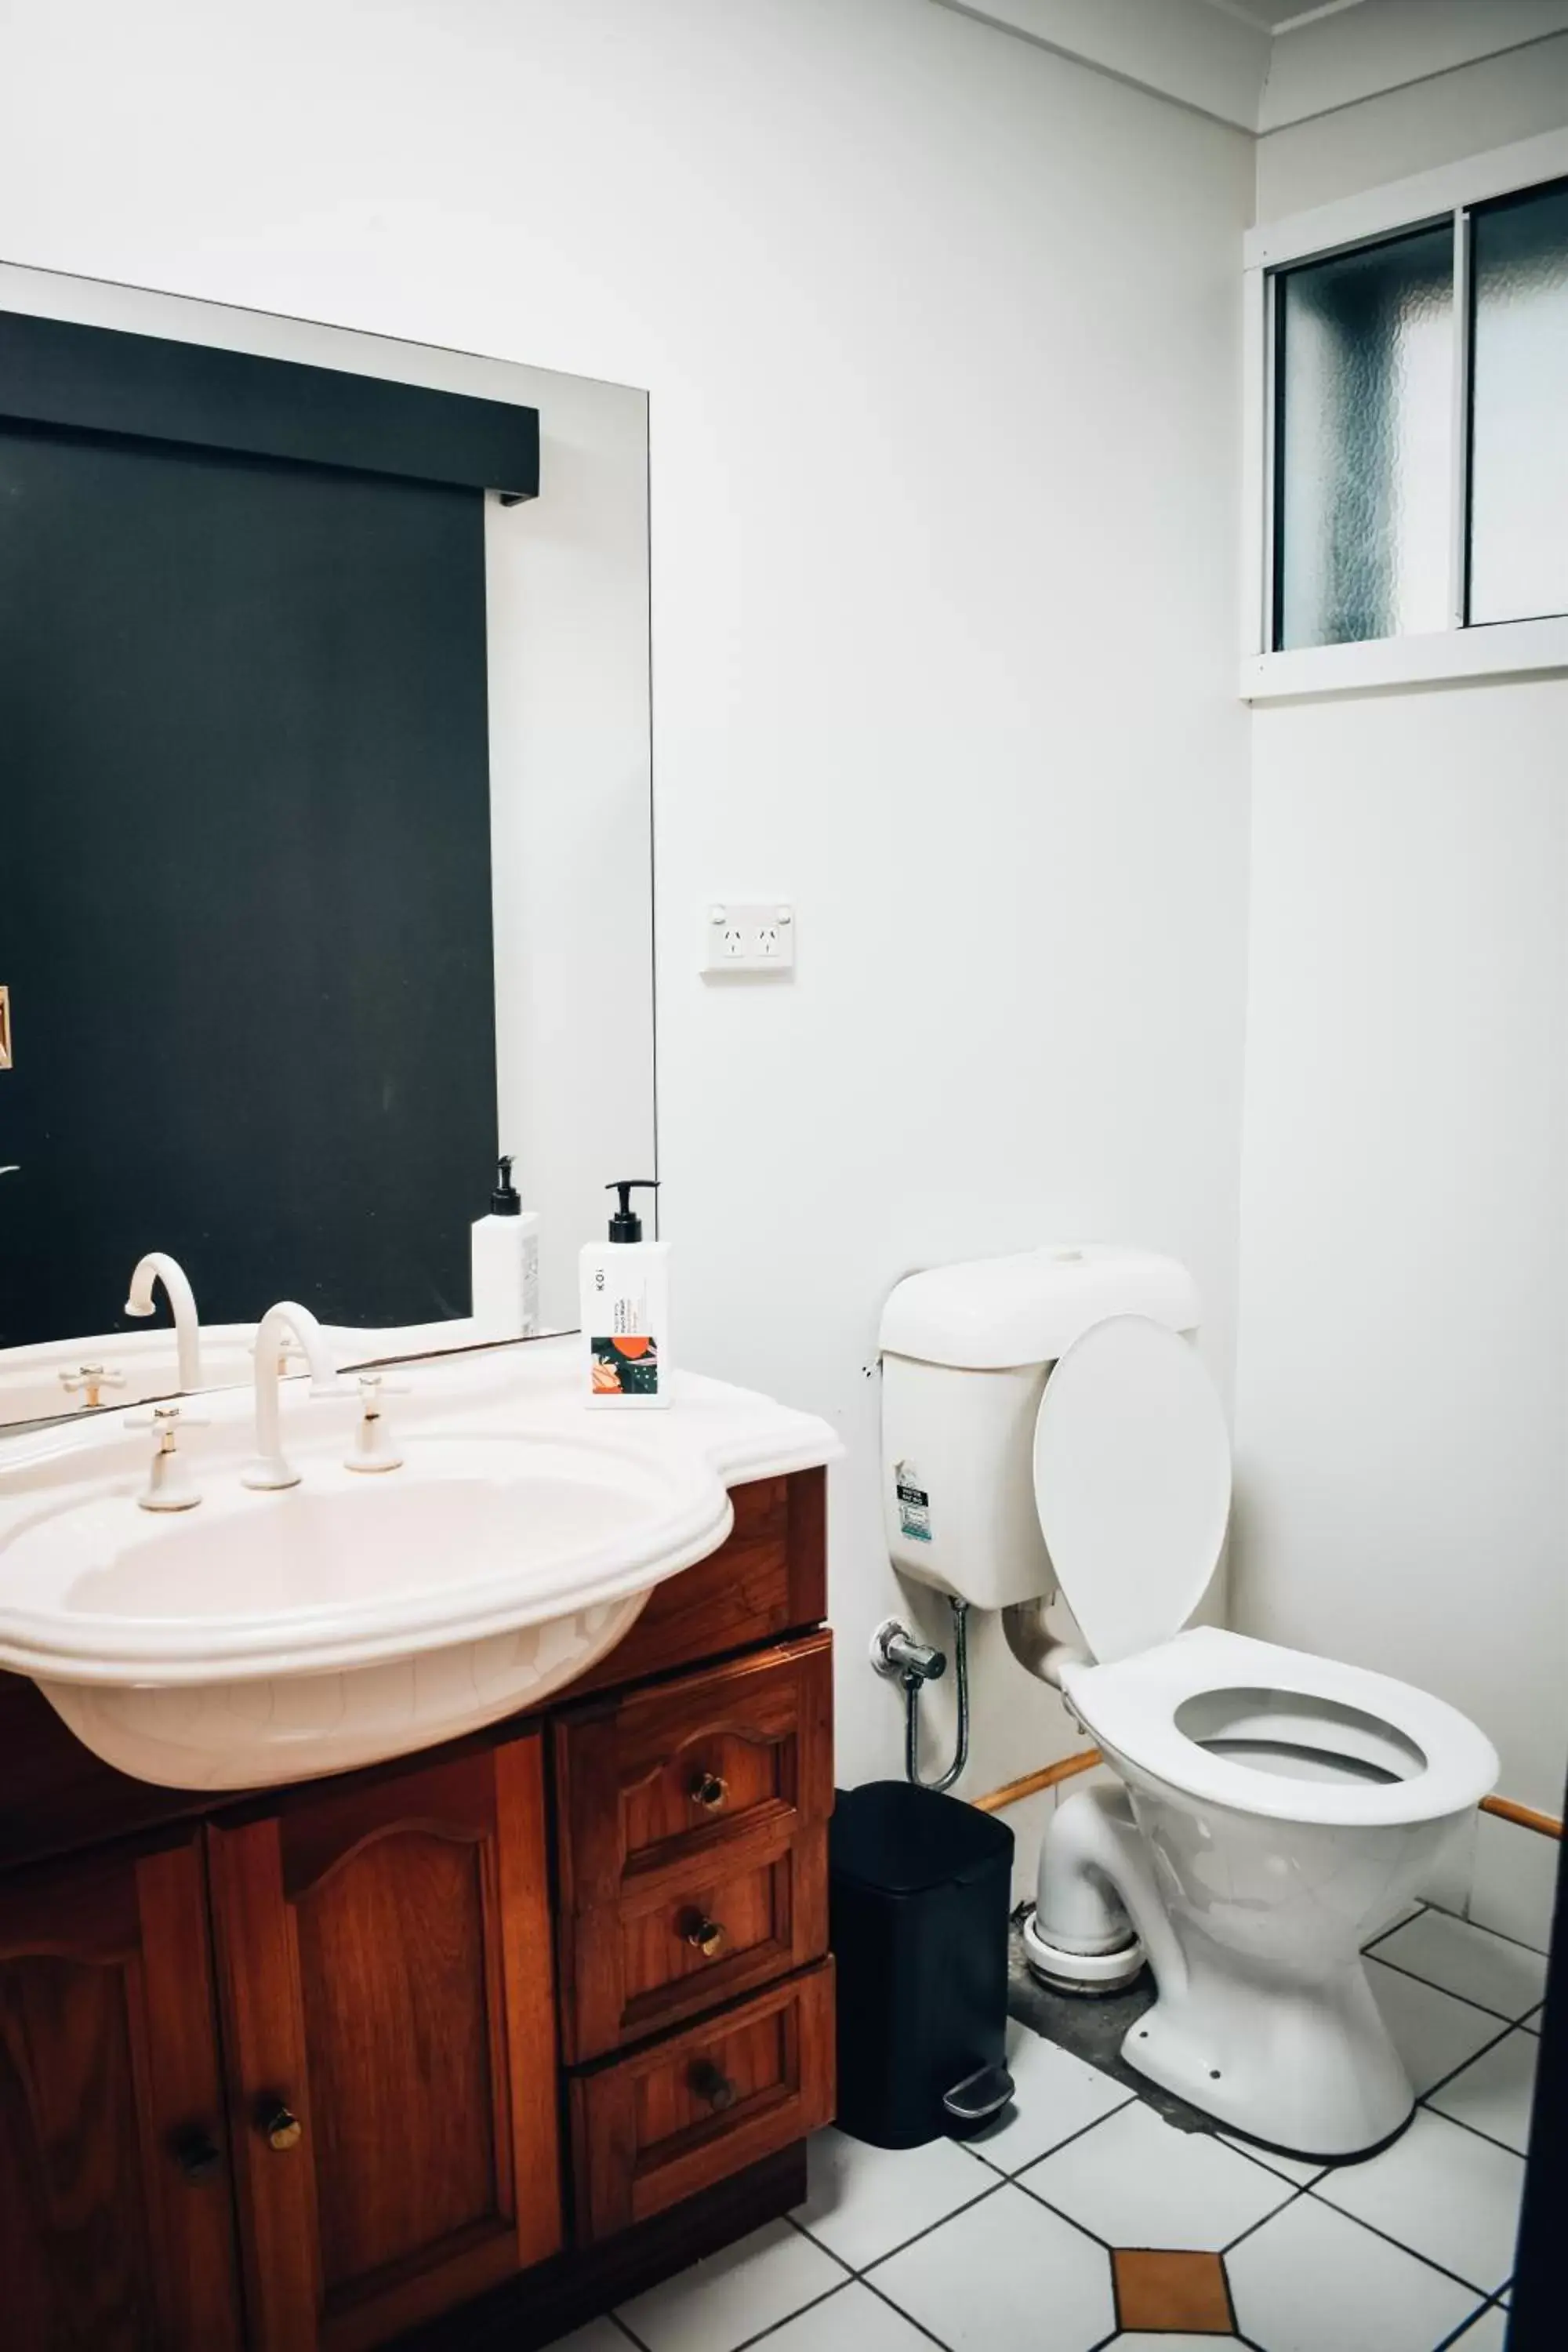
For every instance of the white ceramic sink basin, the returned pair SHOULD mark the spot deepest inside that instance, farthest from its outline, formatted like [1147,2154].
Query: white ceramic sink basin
[266,1637]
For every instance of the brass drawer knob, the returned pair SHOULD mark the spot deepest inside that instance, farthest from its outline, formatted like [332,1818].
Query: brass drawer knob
[705,1936]
[278,2126]
[711,2083]
[197,2153]
[710,1790]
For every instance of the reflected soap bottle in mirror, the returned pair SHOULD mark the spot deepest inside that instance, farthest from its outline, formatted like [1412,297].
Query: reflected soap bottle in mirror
[505,1264]
[624,1308]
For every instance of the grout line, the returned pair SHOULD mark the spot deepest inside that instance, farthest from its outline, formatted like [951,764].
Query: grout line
[815,2304]
[806,2234]
[989,2189]
[1297,2193]
[1475,2131]
[1465,2324]
[1486,2293]
[617,2321]
[1384,1934]
[1082,2133]
[1416,1977]
[1444,2080]
[872,2288]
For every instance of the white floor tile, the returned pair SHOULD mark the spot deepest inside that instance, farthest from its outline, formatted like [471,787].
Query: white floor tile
[1004,2273]
[1467,1960]
[1515,1881]
[852,2320]
[1290,2167]
[1136,2180]
[1532,2023]
[1312,2281]
[734,2294]
[1494,2092]
[1056,2095]
[1444,2193]
[1487,2334]
[863,2202]
[599,2335]
[1432,2031]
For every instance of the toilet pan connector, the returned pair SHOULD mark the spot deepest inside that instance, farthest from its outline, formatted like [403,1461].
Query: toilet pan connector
[1097,1911]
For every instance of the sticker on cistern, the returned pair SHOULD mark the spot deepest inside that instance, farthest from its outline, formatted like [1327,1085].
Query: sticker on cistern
[914,1503]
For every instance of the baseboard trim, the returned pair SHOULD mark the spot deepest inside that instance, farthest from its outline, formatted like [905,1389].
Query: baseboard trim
[1525,1817]
[1013,1793]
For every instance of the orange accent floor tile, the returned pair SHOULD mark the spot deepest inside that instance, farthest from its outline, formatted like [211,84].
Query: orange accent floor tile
[1157,2291]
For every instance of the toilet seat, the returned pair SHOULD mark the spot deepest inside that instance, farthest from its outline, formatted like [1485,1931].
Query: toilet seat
[1129,1708]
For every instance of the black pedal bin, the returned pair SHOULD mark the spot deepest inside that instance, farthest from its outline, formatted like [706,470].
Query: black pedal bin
[920,1894]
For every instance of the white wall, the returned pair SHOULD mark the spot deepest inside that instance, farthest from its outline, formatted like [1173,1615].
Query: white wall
[1403,1358]
[939,334]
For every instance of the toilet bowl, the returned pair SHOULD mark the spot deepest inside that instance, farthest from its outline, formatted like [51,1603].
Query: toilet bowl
[1274,1808]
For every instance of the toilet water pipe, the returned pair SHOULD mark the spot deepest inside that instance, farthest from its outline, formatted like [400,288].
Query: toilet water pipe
[895,1651]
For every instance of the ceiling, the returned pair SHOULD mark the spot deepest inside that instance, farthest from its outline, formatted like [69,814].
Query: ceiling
[1277,16]
[1263,64]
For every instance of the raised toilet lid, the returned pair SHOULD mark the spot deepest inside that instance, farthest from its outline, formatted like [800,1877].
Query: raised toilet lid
[1131,1482]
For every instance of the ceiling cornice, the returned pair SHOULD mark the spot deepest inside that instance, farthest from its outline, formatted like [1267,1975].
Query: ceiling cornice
[1218,57]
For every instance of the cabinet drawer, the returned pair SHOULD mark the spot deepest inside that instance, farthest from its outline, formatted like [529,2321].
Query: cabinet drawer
[727,1919]
[658,2126]
[646,1783]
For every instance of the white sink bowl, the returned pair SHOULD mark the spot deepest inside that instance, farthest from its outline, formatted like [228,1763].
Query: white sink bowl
[269,1637]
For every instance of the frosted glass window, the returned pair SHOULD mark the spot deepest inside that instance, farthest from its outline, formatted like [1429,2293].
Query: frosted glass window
[1364,388]
[1518,445]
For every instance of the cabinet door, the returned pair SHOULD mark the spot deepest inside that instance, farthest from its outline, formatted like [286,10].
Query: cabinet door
[116,2226]
[386,1980]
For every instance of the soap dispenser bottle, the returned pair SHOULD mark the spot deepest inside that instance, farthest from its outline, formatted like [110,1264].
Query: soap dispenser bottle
[504,1263]
[624,1309]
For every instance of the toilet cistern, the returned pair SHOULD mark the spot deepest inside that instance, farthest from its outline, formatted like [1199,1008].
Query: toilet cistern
[155,1267]
[271,1469]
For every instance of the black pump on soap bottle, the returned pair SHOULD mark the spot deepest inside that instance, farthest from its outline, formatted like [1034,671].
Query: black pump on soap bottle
[626,1225]
[624,1308]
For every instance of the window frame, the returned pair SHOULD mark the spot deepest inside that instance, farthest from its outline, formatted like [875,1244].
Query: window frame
[1488,649]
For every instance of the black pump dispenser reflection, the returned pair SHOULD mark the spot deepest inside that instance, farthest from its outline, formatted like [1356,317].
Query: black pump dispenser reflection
[624,1307]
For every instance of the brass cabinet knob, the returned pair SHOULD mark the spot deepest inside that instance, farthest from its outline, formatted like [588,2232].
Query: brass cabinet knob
[711,2083]
[278,2126]
[710,1790]
[197,2153]
[705,1936]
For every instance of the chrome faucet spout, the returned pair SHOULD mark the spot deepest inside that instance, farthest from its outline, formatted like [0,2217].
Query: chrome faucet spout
[156,1268]
[271,1468]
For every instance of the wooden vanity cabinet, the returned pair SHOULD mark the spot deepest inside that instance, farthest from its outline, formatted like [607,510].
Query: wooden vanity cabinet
[116,2220]
[298,2071]
[388,2016]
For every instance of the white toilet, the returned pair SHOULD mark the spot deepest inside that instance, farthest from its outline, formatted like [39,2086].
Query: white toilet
[1047,1426]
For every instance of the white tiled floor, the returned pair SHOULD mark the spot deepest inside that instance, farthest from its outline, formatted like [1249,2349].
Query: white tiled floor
[1005,2241]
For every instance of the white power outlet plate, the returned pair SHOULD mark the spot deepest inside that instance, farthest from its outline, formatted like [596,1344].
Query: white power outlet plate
[750,936]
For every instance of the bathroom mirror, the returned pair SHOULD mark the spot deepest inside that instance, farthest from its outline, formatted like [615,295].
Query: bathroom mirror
[325,870]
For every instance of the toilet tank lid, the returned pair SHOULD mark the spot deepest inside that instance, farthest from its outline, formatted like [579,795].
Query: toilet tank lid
[995,1312]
